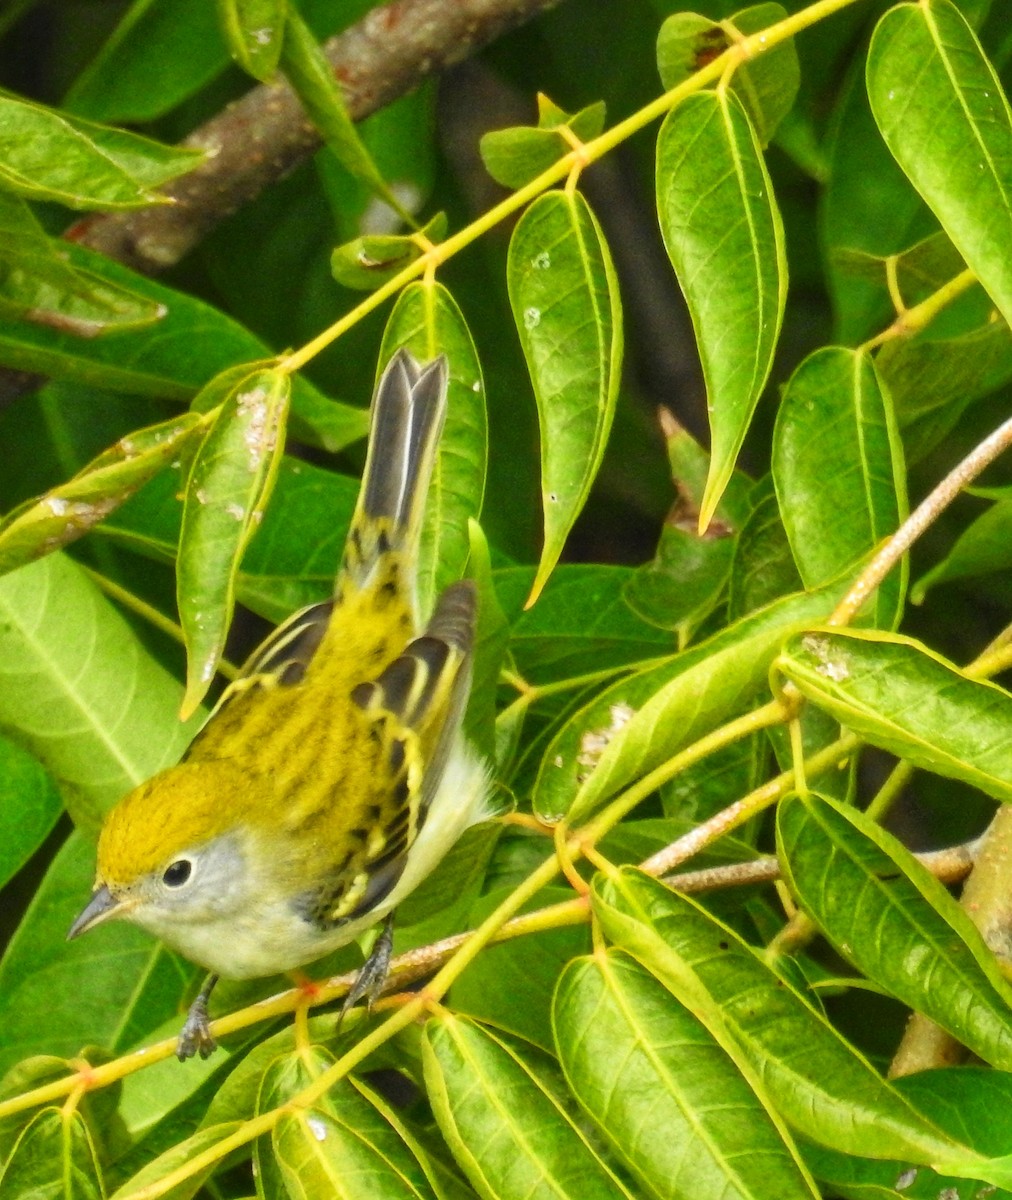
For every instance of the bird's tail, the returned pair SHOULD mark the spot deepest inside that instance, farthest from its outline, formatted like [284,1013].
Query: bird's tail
[405,423]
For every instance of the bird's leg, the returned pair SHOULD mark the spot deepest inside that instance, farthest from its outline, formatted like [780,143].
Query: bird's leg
[195,1036]
[373,975]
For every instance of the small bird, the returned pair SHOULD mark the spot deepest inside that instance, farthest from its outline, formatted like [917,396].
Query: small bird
[334,774]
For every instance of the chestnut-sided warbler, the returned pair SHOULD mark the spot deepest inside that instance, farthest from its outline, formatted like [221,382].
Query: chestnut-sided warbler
[333,775]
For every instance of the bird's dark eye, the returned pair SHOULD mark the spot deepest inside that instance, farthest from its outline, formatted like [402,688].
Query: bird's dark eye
[177,873]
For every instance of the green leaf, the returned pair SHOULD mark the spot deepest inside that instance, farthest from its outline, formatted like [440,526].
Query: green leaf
[55,1156]
[453,886]
[70,510]
[687,42]
[970,1103]
[194,343]
[702,790]
[117,85]
[763,568]
[725,239]
[71,674]
[312,78]
[38,285]
[838,470]
[942,112]
[491,644]
[178,1156]
[374,259]
[425,1144]
[227,490]
[113,988]
[686,578]
[509,987]
[905,279]
[663,1091]
[254,32]
[636,724]
[158,55]
[933,380]
[48,155]
[899,695]
[983,547]
[515,156]
[889,916]
[506,1130]
[29,807]
[565,302]
[341,1146]
[868,204]
[816,1079]
[766,85]
[427,321]
[580,625]
[293,559]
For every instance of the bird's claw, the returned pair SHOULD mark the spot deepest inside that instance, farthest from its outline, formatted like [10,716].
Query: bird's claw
[195,1037]
[373,975]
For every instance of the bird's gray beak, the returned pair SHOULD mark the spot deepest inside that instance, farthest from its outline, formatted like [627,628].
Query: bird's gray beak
[102,905]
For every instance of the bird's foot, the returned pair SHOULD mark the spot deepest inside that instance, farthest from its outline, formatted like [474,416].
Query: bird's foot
[370,980]
[195,1037]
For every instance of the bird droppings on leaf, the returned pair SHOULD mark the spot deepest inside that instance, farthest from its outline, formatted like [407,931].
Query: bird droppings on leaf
[595,741]
[261,433]
[833,666]
[317,1128]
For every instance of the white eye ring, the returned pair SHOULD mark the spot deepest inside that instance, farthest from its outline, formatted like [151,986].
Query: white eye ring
[177,873]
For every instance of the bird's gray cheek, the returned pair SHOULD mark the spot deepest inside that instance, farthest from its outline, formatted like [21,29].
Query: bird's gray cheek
[229,886]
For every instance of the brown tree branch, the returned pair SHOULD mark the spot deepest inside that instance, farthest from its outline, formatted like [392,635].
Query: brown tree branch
[265,134]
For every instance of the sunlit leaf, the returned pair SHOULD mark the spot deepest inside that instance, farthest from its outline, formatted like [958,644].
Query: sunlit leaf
[639,722]
[892,919]
[838,469]
[902,697]
[940,107]
[565,302]
[821,1084]
[511,1136]
[178,1156]
[79,691]
[639,1062]
[55,1155]
[725,239]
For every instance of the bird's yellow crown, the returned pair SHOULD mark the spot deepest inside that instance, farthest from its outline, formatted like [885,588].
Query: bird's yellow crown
[181,808]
